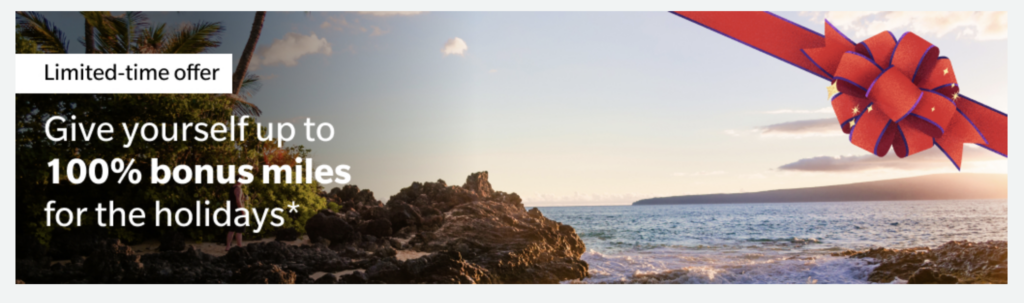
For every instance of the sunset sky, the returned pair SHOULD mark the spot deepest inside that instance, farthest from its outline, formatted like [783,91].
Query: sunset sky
[581,108]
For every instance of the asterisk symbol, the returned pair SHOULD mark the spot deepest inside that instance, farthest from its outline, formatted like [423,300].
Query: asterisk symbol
[294,207]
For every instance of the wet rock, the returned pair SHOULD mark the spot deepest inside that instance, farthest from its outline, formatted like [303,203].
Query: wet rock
[286,234]
[927,275]
[966,262]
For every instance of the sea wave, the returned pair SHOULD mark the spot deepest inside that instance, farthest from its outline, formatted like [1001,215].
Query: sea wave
[718,267]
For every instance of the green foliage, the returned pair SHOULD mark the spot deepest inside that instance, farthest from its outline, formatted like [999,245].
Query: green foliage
[281,195]
[46,35]
[23,45]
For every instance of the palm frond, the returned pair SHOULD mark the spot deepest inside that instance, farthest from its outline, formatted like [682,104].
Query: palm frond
[153,39]
[194,38]
[242,107]
[250,86]
[124,32]
[44,33]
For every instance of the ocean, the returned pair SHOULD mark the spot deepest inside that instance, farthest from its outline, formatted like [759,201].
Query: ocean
[765,242]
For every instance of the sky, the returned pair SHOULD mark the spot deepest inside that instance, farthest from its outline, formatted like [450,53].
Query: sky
[581,108]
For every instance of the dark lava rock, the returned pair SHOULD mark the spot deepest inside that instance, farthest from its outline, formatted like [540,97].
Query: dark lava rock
[354,278]
[447,267]
[80,241]
[967,262]
[473,234]
[329,225]
[172,241]
[506,240]
[479,184]
[189,266]
[374,213]
[928,276]
[403,214]
[260,273]
[380,228]
[286,234]
[113,263]
[386,271]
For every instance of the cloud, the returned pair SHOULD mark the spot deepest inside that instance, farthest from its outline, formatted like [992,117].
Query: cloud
[699,174]
[823,110]
[803,128]
[389,14]
[977,25]
[289,49]
[931,159]
[376,31]
[341,24]
[454,46]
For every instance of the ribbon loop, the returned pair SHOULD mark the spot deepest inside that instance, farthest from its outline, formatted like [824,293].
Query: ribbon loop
[914,56]
[858,70]
[879,48]
[894,94]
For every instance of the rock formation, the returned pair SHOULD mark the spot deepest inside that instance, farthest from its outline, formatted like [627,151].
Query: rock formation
[954,262]
[468,233]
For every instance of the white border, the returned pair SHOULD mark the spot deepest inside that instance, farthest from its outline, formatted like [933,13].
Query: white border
[502,293]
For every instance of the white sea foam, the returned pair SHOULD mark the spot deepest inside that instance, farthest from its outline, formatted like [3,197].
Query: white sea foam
[717,267]
[766,243]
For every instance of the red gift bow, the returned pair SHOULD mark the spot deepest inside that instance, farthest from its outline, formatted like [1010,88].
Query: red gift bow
[885,92]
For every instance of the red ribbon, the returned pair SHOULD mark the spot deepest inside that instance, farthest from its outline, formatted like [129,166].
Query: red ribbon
[892,92]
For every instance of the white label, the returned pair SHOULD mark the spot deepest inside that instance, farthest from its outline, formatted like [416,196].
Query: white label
[122,73]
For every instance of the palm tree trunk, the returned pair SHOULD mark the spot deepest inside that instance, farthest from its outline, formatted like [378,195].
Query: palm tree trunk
[90,44]
[243,61]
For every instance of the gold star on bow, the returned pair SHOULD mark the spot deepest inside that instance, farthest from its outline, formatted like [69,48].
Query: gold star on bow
[956,96]
[852,123]
[945,71]
[870,107]
[856,109]
[933,108]
[952,85]
[832,90]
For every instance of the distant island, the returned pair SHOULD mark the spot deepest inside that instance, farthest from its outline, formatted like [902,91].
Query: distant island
[957,186]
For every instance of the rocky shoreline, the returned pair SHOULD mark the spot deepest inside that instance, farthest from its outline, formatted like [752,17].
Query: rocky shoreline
[465,234]
[956,262]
